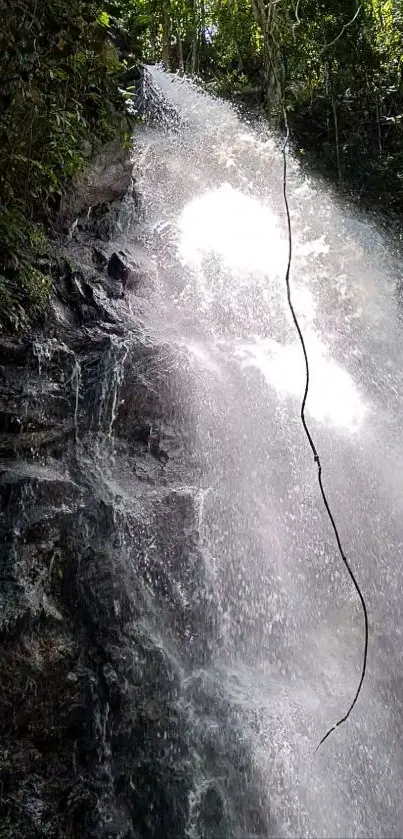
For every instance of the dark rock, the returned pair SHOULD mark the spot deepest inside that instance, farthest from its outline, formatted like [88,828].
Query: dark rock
[13,351]
[106,180]
[99,258]
[106,599]
[211,810]
[88,698]
[118,268]
[151,103]
[124,269]
[132,74]
[112,288]
[99,221]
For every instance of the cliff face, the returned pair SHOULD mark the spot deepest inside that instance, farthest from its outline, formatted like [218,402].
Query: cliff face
[109,724]
[86,687]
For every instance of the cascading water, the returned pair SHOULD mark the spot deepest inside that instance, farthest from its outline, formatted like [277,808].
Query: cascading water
[287,653]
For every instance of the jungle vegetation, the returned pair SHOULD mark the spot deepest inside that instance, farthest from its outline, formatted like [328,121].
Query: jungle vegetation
[335,66]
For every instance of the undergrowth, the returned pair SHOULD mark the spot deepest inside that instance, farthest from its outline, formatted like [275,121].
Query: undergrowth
[59,99]
[24,288]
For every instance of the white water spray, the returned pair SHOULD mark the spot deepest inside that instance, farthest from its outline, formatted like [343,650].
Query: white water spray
[292,647]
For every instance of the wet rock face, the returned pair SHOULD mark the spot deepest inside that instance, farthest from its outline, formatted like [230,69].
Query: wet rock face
[100,562]
[93,741]
[107,179]
[106,602]
[124,270]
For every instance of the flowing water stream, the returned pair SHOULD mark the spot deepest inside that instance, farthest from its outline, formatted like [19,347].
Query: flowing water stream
[287,659]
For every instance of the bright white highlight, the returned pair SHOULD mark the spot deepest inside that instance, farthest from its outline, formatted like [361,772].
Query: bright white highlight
[233,226]
[333,397]
[245,235]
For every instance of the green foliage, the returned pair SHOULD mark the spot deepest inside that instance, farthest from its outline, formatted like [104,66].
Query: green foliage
[218,40]
[24,288]
[337,68]
[335,64]
[59,98]
[57,88]
[345,95]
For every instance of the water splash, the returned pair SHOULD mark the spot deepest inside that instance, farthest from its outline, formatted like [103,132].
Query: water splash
[333,397]
[236,227]
[111,383]
[43,351]
[118,378]
[76,384]
[289,620]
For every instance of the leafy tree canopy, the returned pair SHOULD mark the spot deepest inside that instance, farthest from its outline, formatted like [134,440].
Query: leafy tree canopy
[335,65]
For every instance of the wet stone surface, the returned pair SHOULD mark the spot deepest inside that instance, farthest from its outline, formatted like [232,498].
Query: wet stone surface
[105,599]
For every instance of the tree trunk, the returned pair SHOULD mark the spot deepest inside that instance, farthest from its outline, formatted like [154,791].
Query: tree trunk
[266,16]
[166,35]
[194,63]
[337,140]
[202,34]
[180,50]
[378,125]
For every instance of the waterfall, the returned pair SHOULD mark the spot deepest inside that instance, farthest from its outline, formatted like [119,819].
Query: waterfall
[287,653]
[177,629]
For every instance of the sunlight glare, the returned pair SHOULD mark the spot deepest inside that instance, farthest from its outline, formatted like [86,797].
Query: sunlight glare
[333,396]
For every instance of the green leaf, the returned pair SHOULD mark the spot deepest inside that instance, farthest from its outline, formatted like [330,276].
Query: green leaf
[103,18]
